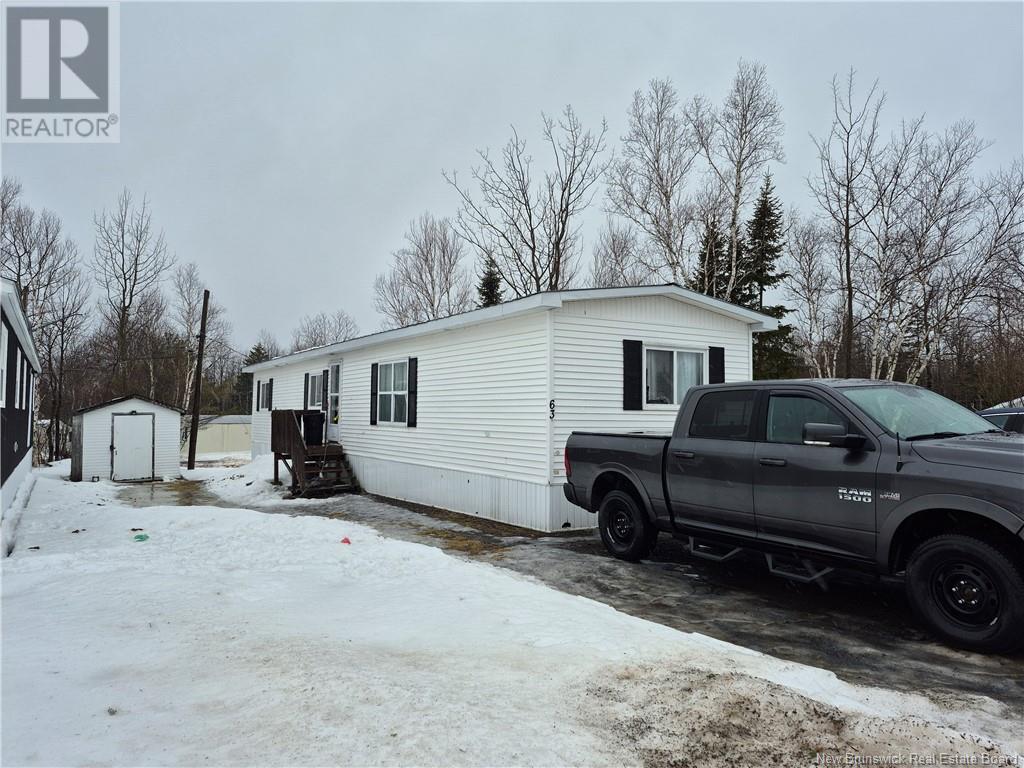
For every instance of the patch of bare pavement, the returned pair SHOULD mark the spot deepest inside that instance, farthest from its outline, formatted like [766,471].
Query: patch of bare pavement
[860,629]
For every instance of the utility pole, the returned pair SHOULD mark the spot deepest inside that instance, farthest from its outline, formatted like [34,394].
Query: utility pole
[197,387]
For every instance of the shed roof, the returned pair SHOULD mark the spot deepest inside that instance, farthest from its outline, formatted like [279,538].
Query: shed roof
[231,418]
[124,399]
[538,301]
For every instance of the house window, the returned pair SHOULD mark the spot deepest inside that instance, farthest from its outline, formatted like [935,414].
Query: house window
[670,372]
[17,389]
[316,390]
[335,395]
[393,392]
[265,395]
[3,365]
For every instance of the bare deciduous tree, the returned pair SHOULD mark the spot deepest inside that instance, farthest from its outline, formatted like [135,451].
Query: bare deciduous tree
[738,140]
[34,254]
[812,288]
[187,313]
[647,183]
[130,260]
[427,280]
[843,186]
[60,334]
[618,260]
[322,328]
[532,228]
[266,339]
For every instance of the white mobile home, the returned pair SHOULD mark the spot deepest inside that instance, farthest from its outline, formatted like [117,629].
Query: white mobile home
[471,413]
[127,439]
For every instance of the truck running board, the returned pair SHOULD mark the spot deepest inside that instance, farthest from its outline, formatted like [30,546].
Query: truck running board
[717,553]
[801,570]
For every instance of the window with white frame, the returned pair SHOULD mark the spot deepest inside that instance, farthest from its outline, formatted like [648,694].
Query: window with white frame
[670,372]
[3,365]
[265,395]
[17,388]
[316,390]
[393,392]
[28,403]
[334,406]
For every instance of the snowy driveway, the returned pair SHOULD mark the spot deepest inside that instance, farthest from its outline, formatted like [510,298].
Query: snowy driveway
[229,637]
[861,630]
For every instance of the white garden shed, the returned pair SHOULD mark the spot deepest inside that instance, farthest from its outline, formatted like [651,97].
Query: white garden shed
[471,413]
[128,439]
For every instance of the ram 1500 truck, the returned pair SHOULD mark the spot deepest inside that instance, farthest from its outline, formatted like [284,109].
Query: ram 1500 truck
[881,477]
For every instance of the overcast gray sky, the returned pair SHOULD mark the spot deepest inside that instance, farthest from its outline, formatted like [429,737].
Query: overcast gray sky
[285,147]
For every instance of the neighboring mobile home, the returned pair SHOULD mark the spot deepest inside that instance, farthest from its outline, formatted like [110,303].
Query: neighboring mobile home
[222,434]
[19,366]
[471,413]
[127,439]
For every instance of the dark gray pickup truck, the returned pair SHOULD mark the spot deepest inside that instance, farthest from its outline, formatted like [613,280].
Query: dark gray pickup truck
[887,478]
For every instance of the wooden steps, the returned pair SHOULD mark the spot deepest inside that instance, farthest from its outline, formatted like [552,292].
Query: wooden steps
[316,470]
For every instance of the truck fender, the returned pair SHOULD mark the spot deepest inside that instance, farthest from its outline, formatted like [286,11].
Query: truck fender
[615,468]
[996,514]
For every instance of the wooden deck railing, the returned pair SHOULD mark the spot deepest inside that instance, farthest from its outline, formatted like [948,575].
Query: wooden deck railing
[314,468]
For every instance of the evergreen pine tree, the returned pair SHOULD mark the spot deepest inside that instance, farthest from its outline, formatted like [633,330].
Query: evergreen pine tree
[243,383]
[764,244]
[774,352]
[489,287]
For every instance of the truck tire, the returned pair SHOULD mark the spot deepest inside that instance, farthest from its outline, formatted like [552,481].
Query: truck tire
[968,592]
[625,529]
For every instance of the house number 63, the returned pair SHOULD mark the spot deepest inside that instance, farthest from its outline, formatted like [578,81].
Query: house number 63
[551,409]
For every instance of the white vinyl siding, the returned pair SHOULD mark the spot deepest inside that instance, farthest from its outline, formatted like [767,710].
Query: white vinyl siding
[588,361]
[287,393]
[485,442]
[481,400]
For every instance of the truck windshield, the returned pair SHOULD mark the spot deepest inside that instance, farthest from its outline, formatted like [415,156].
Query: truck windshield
[915,413]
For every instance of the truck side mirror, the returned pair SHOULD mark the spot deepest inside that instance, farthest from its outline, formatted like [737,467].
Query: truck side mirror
[832,435]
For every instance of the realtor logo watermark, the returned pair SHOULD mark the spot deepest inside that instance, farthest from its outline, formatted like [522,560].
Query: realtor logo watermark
[61,78]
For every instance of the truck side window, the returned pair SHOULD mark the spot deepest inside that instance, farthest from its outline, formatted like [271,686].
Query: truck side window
[724,415]
[787,415]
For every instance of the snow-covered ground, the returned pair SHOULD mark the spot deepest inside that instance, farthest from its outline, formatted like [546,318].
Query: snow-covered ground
[203,635]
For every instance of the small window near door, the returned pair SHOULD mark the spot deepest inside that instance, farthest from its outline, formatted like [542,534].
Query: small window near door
[724,415]
[316,390]
[265,396]
[393,392]
[335,395]
[670,373]
[3,365]
[787,415]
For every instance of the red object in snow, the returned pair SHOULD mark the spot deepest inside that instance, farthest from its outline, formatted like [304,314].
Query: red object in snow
[345,541]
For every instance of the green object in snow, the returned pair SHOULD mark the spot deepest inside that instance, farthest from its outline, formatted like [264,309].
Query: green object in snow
[141,536]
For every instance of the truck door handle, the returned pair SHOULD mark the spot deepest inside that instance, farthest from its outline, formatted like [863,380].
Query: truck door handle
[773,462]
[684,454]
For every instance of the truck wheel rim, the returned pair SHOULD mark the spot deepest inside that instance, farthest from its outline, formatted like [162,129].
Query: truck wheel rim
[966,594]
[620,525]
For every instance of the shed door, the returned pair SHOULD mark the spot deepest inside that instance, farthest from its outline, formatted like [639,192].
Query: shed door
[133,446]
